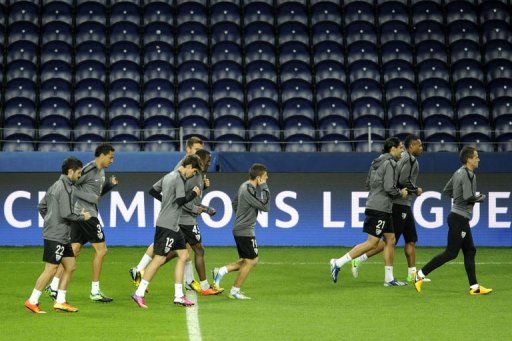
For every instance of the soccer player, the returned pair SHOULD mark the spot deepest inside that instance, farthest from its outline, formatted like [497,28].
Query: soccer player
[92,185]
[168,236]
[381,182]
[462,189]
[56,209]
[188,225]
[403,219]
[253,196]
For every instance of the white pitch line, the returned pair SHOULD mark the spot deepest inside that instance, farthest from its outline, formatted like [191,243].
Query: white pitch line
[194,330]
[376,263]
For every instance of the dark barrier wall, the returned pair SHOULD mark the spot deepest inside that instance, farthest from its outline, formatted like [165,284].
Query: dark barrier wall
[312,209]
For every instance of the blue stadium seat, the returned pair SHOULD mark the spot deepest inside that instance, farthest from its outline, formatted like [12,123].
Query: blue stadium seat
[335,144]
[439,125]
[54,127]
[56,69]
[262,107]
[365,88]
[397,69]
[291,11]
[187,12]
[260,51]
[332,107]
[258,11]
[224,12]
[328,51]
[124,32]
[158,11]
[467,68]
[23,11]
[226,51]
[125,70]
[229,127]
[90,107]
[326,31]
[389,11]
[264,144]
[262,89]
[159,110]
[195,126]
[91,32]
[91,11]
[330,70]
[364,70]
[376,146]
[57,31]
[124,88]
[19,127]
[57,11]
[127,12]
[435,107]
[400,88]
[225,31]
[90,69]
[55,107]
[494,10]
[159,70]
[265,127]
[472,106]
[465,49]
[402,126]
[56,51]
[300,144]
[497,49]
[163,52]
[403,107]
[90,50]
[463,30]
[227,89]
[192,88]
[334,126]
[394,31]
[22,50]
[361,31]
[228,107]
[461,10]
[503,126]
[192,31]
[496,30]
[362,51]
[20,88]
[21,69]
[124,51]
[431,50]
[259,32]
[397,50]
[367,106]
[362,125]
[55,88]
[294,51]
[324,11]
[426,11]
[469,88]
[358,11]
[259,70]
[158,32]
[192,51]
[442,143]
[500,68]
[295,70]
[296,89]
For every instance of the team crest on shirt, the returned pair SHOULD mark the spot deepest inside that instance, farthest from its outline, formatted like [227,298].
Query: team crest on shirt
[404,215]
[463,234]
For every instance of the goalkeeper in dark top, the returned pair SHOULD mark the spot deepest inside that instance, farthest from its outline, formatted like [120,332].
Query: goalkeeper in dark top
[253,196]
[462,189]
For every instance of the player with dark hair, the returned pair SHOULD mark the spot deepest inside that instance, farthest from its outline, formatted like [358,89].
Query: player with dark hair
[57,211]
[403,219]
[253,196]
[462,189]
[91,187]
[381,182]
[168,236]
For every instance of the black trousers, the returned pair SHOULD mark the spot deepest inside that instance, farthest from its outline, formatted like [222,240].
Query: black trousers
[459,237]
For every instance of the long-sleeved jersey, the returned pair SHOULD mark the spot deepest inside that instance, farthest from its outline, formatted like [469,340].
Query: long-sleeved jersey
[462,188]
[247,203]
[381,182]
[408,170]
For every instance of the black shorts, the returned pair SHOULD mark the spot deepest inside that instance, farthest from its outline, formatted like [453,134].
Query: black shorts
[403,223]
[167,240]
[191,233]
[89,231]
[55,251]
[247,247]
[376,223]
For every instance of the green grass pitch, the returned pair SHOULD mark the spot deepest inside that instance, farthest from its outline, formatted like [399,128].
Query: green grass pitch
[293,299]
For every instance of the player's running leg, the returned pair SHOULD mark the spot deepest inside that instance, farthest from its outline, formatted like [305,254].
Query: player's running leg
[188,274]
[32,304]
[97,263]
[243,272]
[137,272]
[52,289]
[179,298]
[206,289]
[356,251]
[61,304]
[356,263]
[389,255]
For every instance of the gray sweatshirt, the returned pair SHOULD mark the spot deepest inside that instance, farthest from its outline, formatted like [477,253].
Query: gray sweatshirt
[408,170]
[462,188]
[246,204]
[90,187]
[57,210]
[381,182]
[190,210]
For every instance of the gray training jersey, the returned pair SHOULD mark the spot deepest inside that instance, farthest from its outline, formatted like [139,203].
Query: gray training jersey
[381,182]
[190,210]
[462,188]
[408,170]
[91,186]
[57,210]
[247,203]
[172,187]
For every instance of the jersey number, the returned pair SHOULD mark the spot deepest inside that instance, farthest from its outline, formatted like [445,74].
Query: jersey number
[380,226]
[60,250]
